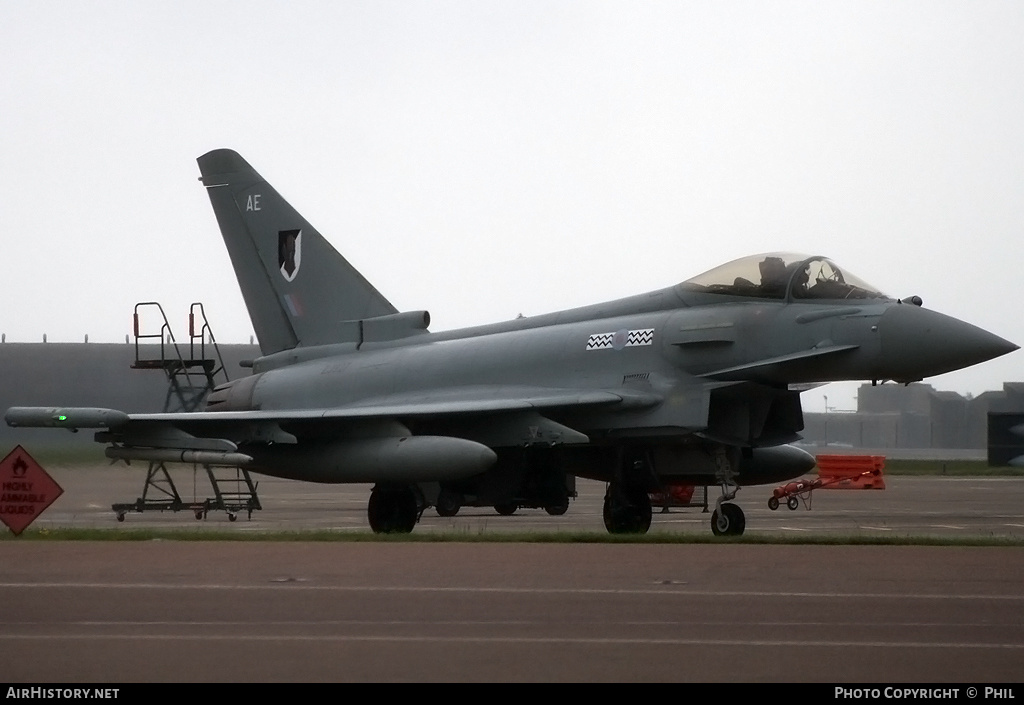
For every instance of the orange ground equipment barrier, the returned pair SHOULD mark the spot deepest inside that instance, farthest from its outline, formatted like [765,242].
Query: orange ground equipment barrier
[835,472]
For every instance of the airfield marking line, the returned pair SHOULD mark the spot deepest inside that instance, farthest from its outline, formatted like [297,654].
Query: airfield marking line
[294,585]
[491,623]
[594,641]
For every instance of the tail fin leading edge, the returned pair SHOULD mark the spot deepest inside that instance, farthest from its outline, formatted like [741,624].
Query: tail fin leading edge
[296,286]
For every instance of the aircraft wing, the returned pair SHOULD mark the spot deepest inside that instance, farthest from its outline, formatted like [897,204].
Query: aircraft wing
[476,400]
[214,436]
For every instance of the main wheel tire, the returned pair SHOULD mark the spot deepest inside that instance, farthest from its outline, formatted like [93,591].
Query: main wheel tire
[448,503]
[557,510]
[627,511]
[506,509]
[392,511]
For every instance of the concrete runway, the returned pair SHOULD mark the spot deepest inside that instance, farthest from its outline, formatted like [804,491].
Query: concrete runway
[218,611]
[131,612]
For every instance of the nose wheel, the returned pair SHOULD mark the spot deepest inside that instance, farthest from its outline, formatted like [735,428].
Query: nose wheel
[728,520]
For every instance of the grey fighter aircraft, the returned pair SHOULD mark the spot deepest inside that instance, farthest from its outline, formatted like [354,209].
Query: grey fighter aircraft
[695,383]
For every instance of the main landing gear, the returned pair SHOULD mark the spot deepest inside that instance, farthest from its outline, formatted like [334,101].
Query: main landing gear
[627,504]
[627,509]
[393,510]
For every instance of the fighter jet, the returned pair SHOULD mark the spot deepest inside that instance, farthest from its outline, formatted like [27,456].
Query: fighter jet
[695,383]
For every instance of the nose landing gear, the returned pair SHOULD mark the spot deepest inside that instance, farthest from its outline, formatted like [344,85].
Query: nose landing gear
[728,518]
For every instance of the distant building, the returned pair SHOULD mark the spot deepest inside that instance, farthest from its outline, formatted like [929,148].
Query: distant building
[912,416]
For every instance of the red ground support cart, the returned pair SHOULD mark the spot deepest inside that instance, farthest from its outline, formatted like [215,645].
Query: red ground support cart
[676,495]
[835,472]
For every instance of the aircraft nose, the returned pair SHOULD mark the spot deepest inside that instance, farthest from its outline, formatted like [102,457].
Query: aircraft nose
[918,343]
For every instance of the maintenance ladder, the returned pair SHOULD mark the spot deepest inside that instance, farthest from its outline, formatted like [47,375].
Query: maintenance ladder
[189,380]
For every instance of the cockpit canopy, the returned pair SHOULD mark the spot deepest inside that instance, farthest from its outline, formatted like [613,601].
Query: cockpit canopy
[782,275]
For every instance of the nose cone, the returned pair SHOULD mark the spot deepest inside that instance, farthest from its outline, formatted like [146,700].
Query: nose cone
[918,343]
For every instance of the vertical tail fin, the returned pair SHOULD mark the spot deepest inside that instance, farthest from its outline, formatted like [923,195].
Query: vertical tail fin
[296,286]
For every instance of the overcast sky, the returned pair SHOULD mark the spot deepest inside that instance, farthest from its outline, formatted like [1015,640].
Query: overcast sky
[484,159]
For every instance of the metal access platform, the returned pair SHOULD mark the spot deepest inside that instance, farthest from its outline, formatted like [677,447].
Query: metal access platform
[242,498]
[191,375]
